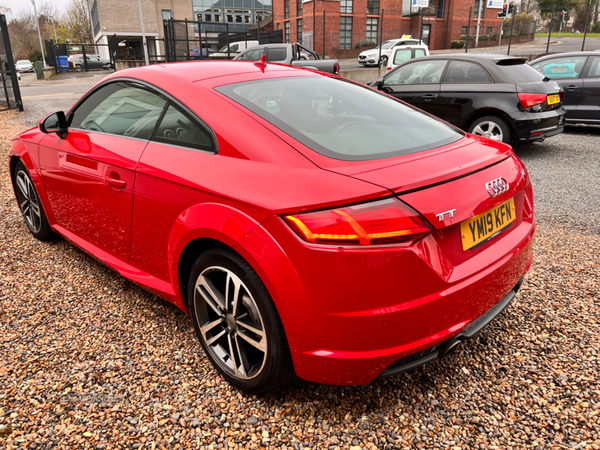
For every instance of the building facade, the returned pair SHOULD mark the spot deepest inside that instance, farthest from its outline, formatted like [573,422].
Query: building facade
[329,25]
[122,18]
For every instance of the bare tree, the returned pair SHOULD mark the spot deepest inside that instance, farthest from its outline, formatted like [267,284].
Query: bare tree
[77,21]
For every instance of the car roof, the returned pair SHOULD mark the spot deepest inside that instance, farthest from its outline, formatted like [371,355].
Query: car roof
[198,71]
[492,58]
[555,55]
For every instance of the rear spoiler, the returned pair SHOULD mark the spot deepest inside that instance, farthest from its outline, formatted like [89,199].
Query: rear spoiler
[511,61]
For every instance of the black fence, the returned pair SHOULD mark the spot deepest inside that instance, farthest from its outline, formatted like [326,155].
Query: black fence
[186,39]
[58,54]
[10,98]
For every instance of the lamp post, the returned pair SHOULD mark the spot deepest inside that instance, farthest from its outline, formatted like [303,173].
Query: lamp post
[54,28]
[39,34]
[144,43]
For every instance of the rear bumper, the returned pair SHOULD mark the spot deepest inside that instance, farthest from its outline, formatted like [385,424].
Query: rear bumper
[443,349]
[533,127]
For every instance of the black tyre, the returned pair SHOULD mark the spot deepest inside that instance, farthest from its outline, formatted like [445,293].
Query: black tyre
[78,68]
[237,323]
[30,205]
[492,127]
[383,60]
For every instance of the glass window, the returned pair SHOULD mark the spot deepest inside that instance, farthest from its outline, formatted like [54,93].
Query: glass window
[372,7]
[299,31]
[345,32]
[252,55]
[490,30]
[208,17]
[479,4]
[402,55]
[120,108]
[276,54]
[372,24]
[217,17]
[463,30]
[299,8]
[595,68]
[565,67]
[425,72]
[287,32]
[466,72]
[286,9]
[346,6]
[166,14]
[230,18]
[95,18]
[340,119]
[178,129]
[419,52]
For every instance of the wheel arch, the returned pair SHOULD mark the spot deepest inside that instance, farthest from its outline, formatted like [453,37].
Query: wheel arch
[492,112]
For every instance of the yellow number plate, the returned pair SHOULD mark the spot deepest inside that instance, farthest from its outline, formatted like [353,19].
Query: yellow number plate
[485,226]
[552,99]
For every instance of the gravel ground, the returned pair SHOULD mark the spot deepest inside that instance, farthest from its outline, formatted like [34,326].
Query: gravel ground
[89,360]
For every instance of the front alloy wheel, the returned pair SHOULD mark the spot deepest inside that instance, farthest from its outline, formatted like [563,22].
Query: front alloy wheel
[30,204]
[237,323]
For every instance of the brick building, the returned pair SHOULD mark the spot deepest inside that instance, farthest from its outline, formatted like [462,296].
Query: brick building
[349,23]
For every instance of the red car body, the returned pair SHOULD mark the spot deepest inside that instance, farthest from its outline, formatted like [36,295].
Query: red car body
[148,209]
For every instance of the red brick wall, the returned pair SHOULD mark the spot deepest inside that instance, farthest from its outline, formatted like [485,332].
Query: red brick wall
[443,30]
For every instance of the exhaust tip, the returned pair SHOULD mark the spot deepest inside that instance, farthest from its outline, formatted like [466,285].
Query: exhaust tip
[451,347]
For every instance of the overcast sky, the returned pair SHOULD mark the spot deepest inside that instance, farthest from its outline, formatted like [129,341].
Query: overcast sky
[18,5]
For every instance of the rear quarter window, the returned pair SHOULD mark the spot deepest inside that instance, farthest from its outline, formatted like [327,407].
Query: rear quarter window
[521,73]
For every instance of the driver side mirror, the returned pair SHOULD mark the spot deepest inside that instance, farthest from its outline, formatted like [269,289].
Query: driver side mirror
[379,84]
[55,122]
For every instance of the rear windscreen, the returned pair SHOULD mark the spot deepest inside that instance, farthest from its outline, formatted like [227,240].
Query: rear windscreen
[342,120]
[521,73]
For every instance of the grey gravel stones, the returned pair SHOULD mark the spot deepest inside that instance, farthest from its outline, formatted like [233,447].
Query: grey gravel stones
[90,361]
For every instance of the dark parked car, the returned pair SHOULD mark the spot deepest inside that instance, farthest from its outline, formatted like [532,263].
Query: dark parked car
[93,62]
[579,75]
[496,96]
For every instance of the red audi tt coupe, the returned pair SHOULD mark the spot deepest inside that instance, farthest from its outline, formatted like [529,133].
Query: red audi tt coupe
[308,224]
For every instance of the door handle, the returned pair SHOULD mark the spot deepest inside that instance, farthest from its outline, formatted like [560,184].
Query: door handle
[572,87]
[114,180]
[428,97]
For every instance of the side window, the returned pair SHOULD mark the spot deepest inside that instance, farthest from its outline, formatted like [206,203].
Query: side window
[252,55]
[401,56]
[565,67]
[425,72]
[419,52]
[466,72]
[120,108]
[276,54]
[234,48]
[178,128]
[595,67]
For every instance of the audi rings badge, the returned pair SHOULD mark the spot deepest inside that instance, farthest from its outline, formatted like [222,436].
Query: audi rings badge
[497,187]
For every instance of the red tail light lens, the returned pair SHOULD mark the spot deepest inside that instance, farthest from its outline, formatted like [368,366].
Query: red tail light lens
[529,100]
[385,221]
[336,69]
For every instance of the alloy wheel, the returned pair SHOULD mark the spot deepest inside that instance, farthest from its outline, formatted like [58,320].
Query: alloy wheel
[29,202]
[489,130]
[230,323]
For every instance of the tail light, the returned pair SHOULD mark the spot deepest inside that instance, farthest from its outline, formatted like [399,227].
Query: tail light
[562,94]
[529,100]
[382,222]
[336,69]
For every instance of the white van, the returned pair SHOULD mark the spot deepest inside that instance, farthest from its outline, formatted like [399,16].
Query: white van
[404,53]
[234,49]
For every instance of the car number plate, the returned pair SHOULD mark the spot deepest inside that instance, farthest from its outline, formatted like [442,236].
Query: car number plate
[552,99]
[486,225]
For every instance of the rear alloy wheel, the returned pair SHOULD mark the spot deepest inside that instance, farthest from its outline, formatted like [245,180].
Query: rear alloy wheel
[492,127]
[78,68]
[383,61]
[237,322]
[30,205]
